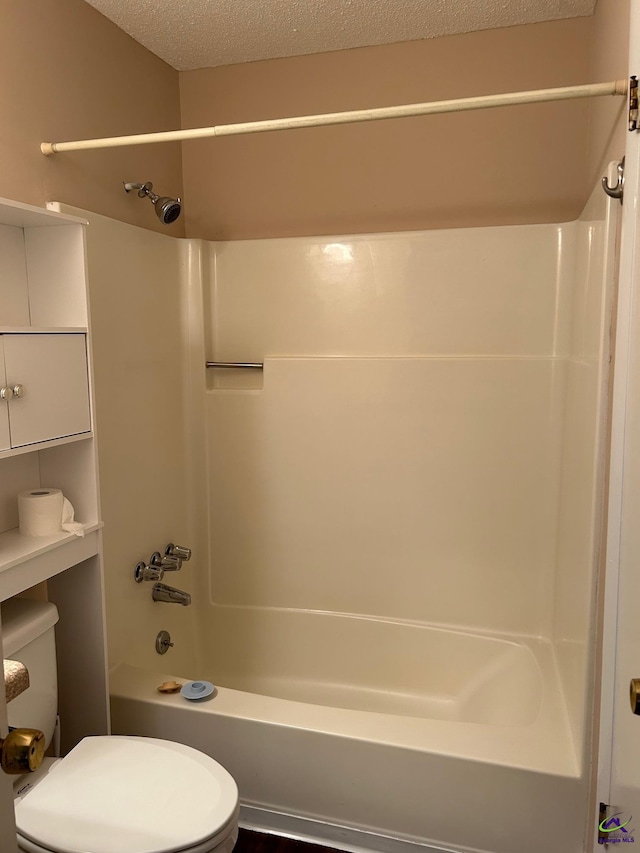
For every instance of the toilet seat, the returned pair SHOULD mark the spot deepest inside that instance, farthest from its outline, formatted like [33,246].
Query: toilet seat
[130,795]
[220,845]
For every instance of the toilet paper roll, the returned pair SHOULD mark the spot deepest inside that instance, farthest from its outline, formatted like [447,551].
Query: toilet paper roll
[40,512]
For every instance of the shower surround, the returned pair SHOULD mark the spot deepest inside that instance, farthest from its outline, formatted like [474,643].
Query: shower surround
[396,529]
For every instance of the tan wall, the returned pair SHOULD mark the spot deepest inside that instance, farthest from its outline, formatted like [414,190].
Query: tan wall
[522,164]
[609,61]
[68,73]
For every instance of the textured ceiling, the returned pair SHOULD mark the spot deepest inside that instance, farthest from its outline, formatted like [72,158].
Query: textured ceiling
[192,34]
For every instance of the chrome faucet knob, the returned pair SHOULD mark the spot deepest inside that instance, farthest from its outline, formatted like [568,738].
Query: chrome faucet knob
[169,564]
[178,552]
[143,572]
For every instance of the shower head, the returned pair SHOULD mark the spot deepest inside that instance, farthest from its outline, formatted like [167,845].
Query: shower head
[167,209]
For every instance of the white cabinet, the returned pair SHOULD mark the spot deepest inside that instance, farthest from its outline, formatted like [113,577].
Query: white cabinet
[46,377]
[46,440]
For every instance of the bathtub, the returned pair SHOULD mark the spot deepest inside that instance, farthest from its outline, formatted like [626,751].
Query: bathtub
[395,735]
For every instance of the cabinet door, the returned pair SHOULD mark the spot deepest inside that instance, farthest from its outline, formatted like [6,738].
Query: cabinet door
[4,406]
[52,369]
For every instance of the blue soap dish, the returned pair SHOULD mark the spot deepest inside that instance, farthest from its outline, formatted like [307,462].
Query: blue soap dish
[194,690]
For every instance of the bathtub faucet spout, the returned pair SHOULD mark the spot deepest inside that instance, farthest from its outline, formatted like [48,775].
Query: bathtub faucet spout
[162,592]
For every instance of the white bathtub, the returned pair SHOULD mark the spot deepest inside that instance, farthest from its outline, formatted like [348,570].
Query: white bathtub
[417,734]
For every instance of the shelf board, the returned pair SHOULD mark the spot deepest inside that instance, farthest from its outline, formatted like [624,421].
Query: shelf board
[43,330]
[22,215]
[29,560]
[16,548]
[43,445]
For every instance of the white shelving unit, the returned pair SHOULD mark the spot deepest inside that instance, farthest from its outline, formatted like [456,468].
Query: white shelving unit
[47,440]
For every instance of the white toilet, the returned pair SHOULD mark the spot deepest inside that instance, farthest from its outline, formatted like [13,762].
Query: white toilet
[110,794]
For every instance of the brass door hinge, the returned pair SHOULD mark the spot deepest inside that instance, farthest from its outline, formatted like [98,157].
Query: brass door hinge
[602,816]
[633,103]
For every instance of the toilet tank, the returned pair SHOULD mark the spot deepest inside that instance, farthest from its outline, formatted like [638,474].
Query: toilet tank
[28,636]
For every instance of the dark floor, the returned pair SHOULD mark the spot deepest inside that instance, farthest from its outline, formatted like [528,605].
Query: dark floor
[258,842]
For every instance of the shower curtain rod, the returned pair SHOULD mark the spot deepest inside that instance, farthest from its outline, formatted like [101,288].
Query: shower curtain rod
[615,87]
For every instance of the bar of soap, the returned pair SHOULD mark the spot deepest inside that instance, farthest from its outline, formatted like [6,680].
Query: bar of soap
[169,687]
[16,678]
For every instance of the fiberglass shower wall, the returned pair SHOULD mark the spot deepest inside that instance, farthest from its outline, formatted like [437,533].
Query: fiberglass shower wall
[426,440]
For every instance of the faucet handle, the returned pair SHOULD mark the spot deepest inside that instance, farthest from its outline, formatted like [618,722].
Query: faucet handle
[143,572]
[168,564]
[178,552]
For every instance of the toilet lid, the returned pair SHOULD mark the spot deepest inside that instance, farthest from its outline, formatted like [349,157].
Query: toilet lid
[130,794]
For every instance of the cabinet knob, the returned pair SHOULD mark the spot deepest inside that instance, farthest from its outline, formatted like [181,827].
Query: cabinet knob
[22,751]
[19,390]
[6,393]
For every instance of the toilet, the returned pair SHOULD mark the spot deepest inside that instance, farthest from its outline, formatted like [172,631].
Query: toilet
[110,794]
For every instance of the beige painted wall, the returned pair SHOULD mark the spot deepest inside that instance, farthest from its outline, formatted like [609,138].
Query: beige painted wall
[609,61]
[516,165]
[69,73]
